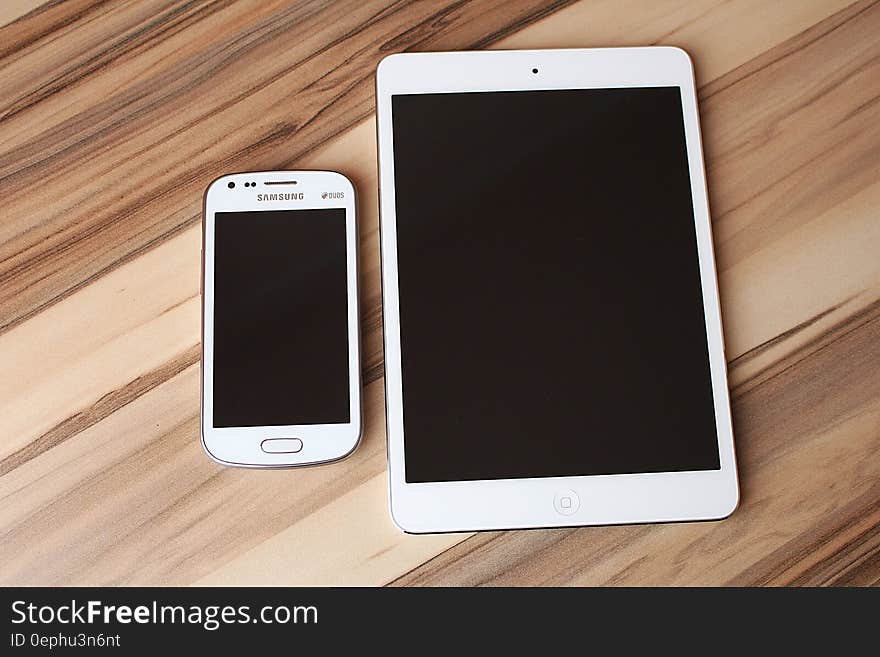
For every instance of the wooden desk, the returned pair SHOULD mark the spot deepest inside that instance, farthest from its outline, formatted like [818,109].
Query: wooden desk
[115,115]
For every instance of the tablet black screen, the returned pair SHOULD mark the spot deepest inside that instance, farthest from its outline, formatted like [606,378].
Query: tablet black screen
[550,303]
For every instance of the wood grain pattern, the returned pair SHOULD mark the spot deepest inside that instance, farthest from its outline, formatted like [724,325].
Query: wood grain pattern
[115,115]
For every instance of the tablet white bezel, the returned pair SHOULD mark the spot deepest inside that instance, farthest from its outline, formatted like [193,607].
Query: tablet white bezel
[533,502]
[321,443]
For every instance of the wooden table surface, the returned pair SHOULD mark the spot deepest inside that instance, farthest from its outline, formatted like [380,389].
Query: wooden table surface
[114,116]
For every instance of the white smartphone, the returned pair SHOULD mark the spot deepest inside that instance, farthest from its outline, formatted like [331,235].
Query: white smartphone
[281,383]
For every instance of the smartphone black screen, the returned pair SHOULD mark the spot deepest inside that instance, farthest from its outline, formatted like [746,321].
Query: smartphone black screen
[551,311]
[280,318]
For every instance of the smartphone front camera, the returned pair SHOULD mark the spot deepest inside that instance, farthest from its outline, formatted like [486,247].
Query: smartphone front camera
[231,185]
[535,71]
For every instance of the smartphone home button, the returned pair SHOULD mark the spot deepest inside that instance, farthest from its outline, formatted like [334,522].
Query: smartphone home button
[281,445]
[566,502]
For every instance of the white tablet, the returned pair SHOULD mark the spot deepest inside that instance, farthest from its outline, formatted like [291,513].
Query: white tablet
[553,344]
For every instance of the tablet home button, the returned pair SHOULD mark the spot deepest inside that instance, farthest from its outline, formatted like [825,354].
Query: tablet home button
[566,502]
[281,445]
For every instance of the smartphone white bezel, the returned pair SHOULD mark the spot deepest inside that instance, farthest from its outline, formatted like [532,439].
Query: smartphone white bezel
[539,502]
[321,443]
